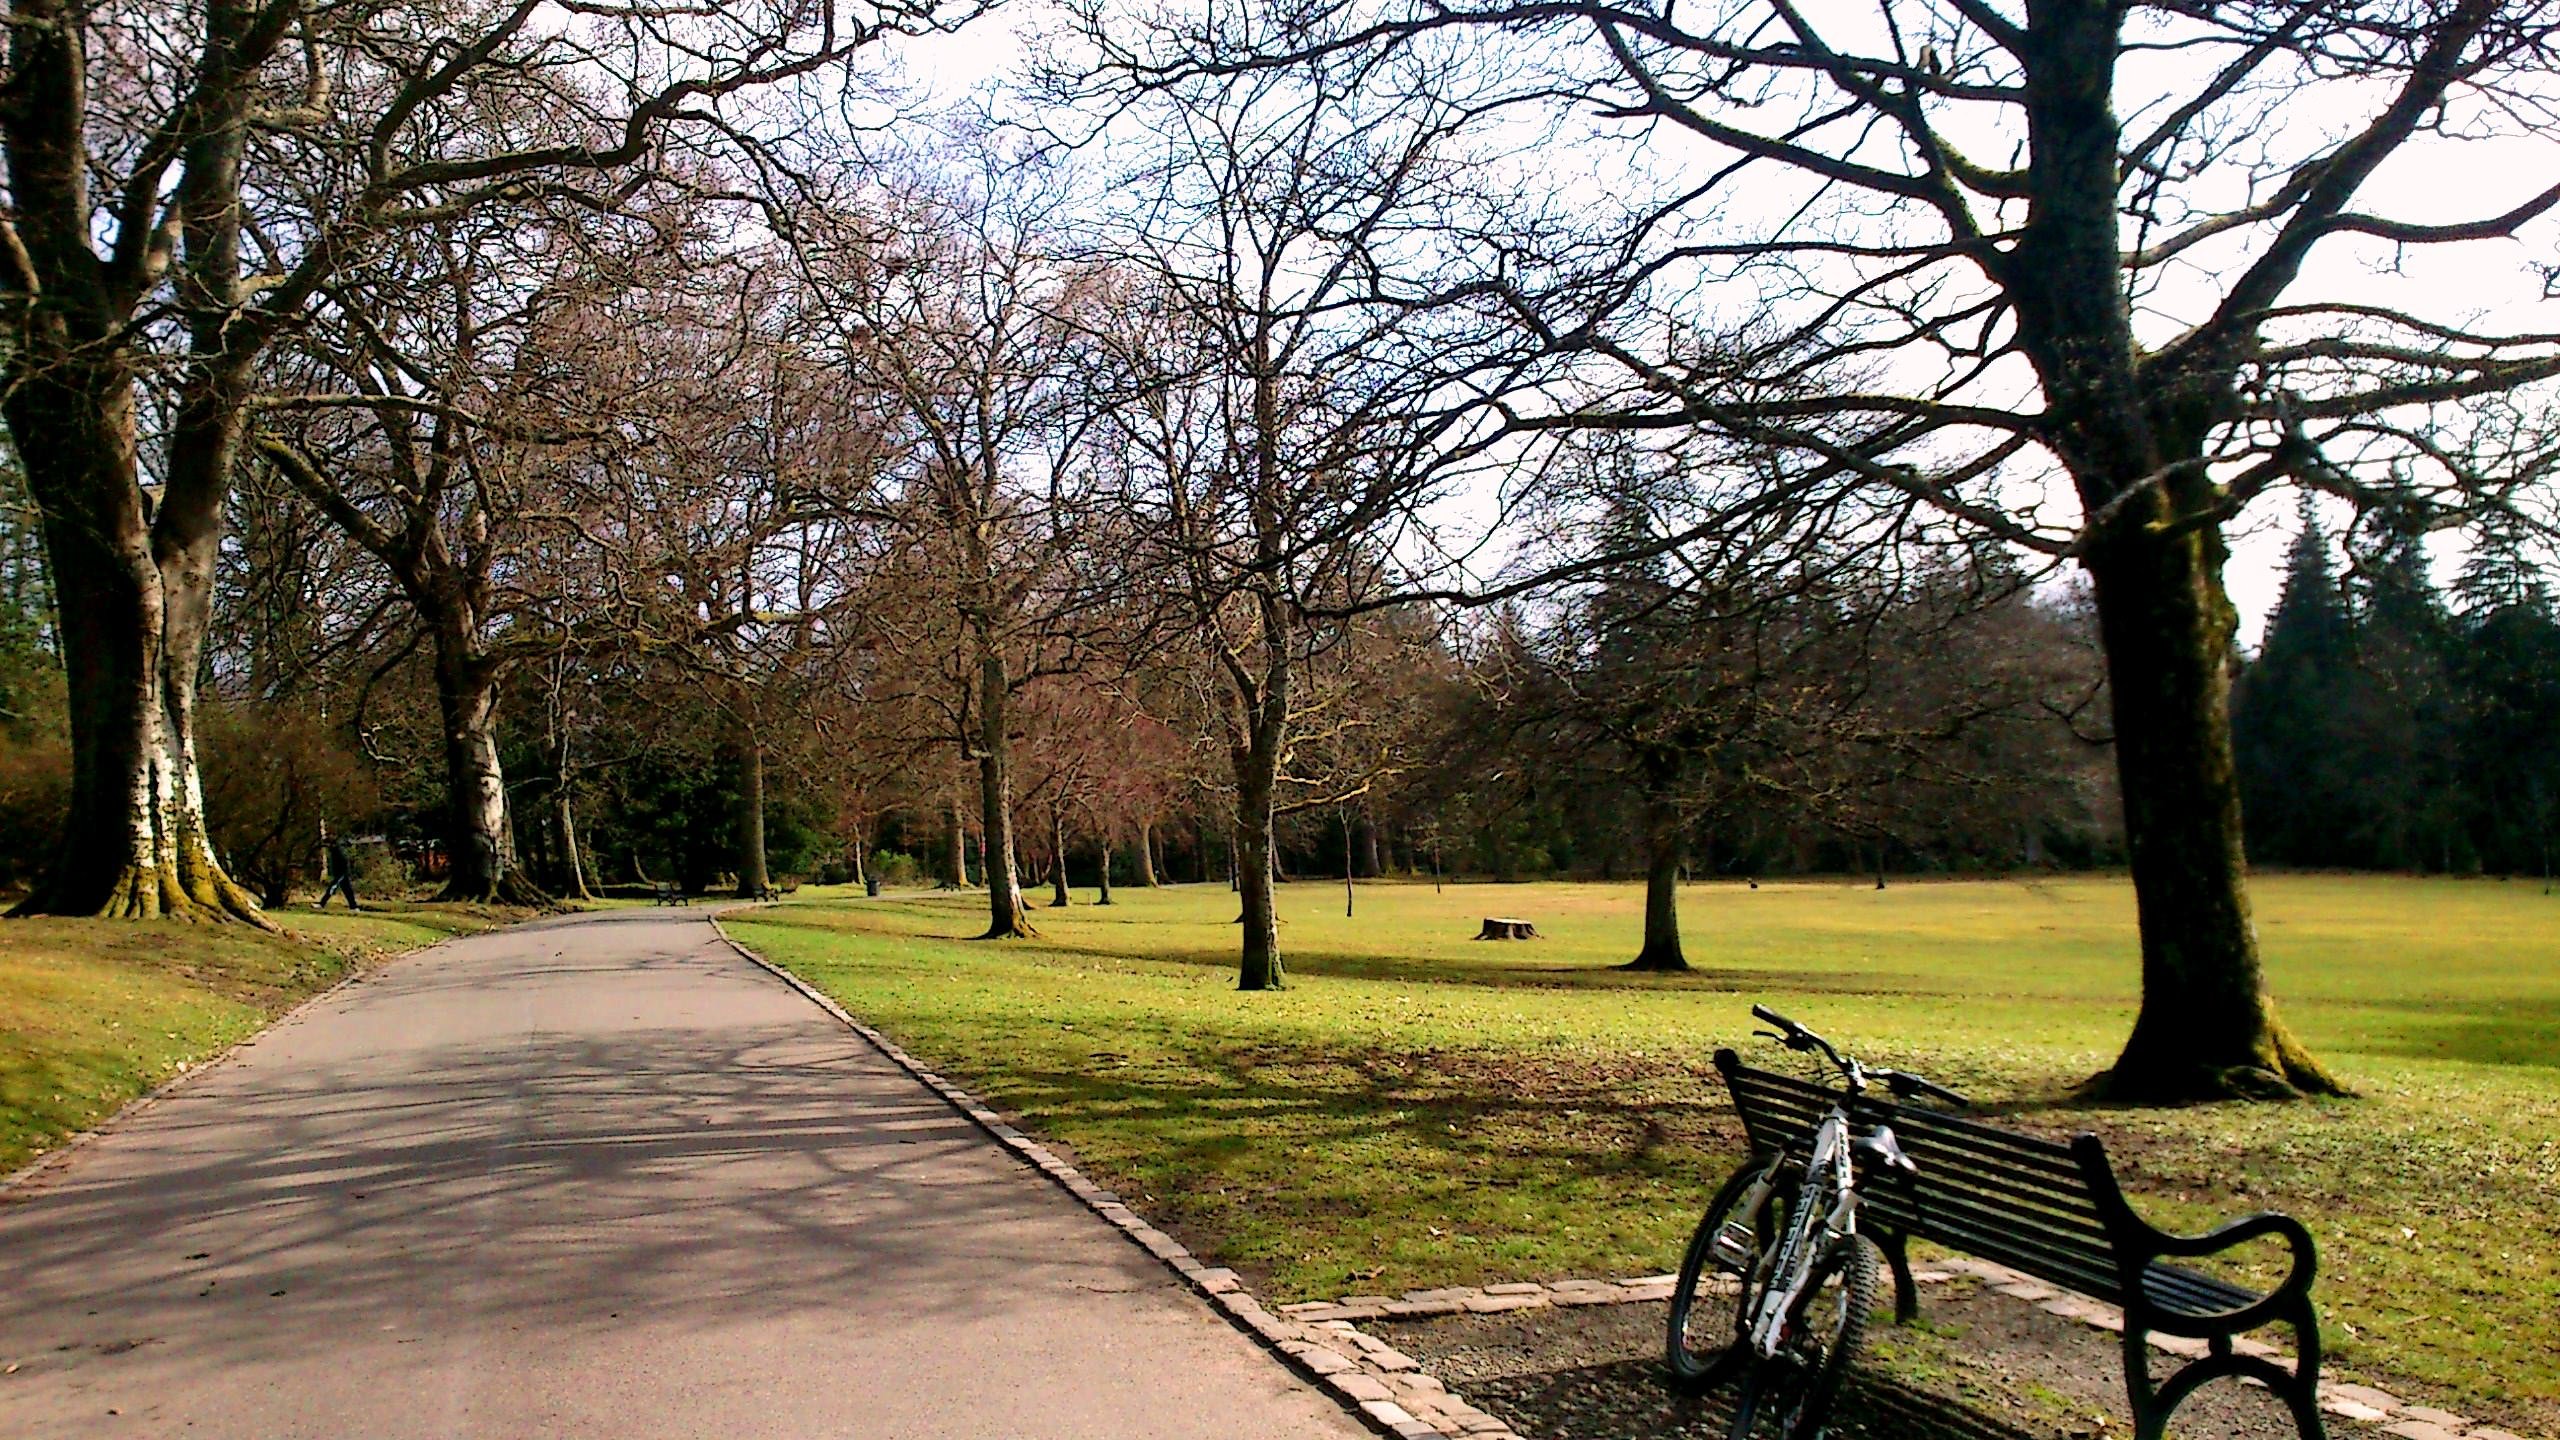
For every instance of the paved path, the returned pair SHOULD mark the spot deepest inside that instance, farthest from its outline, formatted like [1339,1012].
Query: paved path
[595,1176]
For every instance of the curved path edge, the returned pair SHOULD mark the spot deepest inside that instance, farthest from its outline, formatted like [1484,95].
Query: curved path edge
[1365,1389]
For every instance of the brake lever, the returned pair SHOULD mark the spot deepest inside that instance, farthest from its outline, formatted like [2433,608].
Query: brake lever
[1771,1035]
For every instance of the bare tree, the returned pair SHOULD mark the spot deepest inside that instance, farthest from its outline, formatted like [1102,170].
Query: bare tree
[1276,428]
[1947,252]
[948,301]
[182,183]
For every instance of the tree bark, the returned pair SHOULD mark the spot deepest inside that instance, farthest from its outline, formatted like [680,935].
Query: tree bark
[133,576]
[1257,764]
[2207,1028]
[1058,897]
[753,881]
[955,868]
[1146,855]
[1663,840]
[135,596]
[1102,872]
[1349,868]
[1006,917]
[564,820]
[483,863]
[572,865]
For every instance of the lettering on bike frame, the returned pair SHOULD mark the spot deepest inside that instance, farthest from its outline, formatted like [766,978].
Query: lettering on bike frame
[1826,1214]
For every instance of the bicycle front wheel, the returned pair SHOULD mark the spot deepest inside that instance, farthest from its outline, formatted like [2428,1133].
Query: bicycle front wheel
[1790,1396]
[1711,1305]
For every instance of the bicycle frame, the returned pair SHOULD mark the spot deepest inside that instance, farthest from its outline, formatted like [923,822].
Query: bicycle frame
[1826,1214]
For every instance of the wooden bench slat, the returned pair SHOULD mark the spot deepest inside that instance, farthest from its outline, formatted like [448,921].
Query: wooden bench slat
[1952,1170]
[2192,1292]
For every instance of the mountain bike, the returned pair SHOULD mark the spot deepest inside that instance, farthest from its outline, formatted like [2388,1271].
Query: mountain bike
[1777,1285]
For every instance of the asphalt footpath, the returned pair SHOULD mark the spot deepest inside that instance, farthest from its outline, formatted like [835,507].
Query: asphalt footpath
[592,1176]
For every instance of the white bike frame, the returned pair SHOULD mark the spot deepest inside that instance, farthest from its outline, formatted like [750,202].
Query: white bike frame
[1812,1229]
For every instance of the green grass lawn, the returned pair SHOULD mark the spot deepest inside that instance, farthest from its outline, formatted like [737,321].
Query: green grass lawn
[96,1012]
[1419,1108]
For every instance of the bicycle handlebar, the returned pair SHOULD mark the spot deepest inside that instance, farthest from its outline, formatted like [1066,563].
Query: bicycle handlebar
[1904,1085]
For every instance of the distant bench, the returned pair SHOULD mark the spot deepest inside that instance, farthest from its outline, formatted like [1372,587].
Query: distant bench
[2056,1212]
[668,892]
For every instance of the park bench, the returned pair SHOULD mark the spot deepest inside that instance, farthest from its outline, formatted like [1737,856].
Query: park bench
[670,893]
[2055,1212]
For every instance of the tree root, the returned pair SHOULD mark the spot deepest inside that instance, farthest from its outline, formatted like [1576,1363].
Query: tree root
[2280,1070]
[512,887]
[149,893]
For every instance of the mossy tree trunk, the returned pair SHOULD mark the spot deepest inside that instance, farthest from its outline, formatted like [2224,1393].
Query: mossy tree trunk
[2207,1026]
[135,596]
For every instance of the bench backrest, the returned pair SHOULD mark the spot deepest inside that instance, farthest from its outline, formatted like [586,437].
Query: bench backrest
[2031,1204]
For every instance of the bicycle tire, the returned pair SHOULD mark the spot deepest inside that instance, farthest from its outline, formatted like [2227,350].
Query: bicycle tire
[1692,1369]
[1851,1283]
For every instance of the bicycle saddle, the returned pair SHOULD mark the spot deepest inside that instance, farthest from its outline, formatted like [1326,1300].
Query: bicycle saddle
[1882,1150]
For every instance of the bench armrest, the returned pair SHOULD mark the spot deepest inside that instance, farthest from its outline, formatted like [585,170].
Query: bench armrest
[2294,1288]
[2296,1236]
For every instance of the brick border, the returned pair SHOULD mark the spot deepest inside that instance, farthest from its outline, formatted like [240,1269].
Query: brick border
[1365,1375]
[1322,1341]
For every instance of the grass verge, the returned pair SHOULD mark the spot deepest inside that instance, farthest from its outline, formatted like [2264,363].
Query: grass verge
[94,1013]
[1421,1109]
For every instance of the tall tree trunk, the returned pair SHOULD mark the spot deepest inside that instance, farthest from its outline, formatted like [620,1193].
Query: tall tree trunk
[135,597]
[483,867]
[2207,1027]
[1349,868]
[753,882]
[564,819]
[1256,768]
[955,867]
[1006,917]
[1365,831]
[573,866]
[1260,966]
[1058,856]
[1102,873]
[1663,838]
[1146,855]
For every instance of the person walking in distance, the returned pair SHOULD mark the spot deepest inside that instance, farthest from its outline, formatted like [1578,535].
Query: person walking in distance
[342,874]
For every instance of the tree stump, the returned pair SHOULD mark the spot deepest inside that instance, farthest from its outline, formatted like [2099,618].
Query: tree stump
[1504,927]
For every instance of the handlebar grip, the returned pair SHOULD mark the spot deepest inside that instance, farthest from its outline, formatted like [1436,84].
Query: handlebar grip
[1905,1085]
[1773,1017]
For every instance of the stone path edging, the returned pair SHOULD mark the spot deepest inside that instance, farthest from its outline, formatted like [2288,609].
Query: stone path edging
[1358,1385]
[1390,1390]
